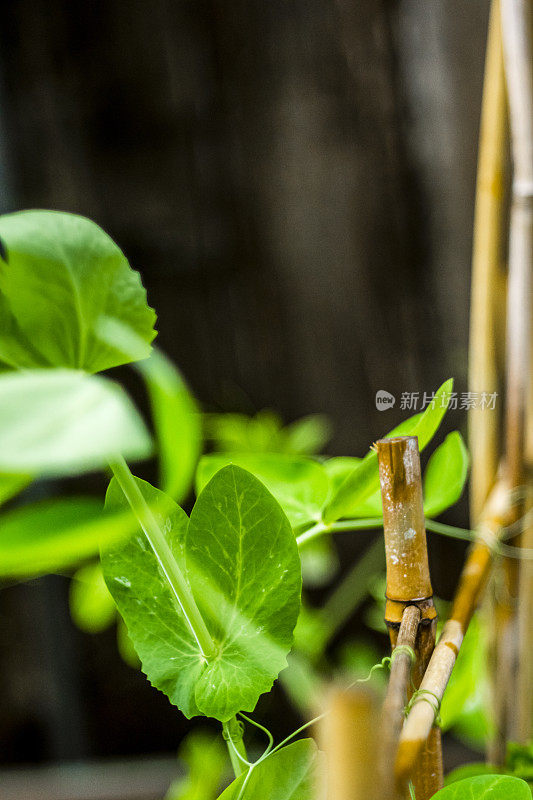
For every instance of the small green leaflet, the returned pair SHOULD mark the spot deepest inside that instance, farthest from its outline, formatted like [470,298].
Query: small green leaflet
[240,558]
[60,275]
[264,433]
[55,535]
[445,475]
[64,422]
[299,484]
[486,787]
[206,758]
[295,772]
[363,482]
[338,469]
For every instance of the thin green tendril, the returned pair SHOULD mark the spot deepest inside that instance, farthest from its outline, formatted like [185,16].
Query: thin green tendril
[427,696]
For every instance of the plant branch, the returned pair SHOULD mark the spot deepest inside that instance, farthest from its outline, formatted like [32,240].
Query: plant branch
[233,735]
[167,562]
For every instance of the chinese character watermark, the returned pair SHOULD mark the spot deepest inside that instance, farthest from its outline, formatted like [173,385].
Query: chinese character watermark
[419,401]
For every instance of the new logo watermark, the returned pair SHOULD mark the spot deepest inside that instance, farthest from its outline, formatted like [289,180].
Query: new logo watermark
[384,400]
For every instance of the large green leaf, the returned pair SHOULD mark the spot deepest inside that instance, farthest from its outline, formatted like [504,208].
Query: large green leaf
[59,274]
[486,787]
[295,772]
[363,482]
[445,475]
[63,422]
[299,484]
[54,535]
[240,558]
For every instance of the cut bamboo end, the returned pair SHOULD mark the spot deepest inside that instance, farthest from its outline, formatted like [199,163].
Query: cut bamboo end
[348,735]
[408,577]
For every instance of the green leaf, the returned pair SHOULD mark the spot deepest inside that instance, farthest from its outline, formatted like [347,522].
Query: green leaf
[338,469]
[125,646]
[54,535]
[293,773]
[60,275]
[176,418]
[91,606]
[206,758]
[486,787]
[264,433]
[243,434]
[363,482]
[308,435]
[445,475]
[240,557]
[11,485]
[63,422]
[177,424]
[472,771]
[299,484]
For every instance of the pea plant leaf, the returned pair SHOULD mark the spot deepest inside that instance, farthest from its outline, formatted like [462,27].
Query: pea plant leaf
[295,772]
[445,475]
[55,535]
[59,273]
[176,418]
[340,468]
[299,484]
[486,787]
[363,482]
[264,433]
[239,556]
[64,422]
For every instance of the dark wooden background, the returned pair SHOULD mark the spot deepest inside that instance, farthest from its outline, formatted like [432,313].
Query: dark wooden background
[295,181]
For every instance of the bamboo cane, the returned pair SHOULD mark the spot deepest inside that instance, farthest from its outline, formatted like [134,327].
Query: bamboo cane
[398,691]
[517,27]
[348,736]
[424,710]
[487,274]
[408,580]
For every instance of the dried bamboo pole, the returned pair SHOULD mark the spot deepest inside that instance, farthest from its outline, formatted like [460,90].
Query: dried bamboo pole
[398,691]
[408,580]
[348,736]
[421,718]
[487,273]
[517,27]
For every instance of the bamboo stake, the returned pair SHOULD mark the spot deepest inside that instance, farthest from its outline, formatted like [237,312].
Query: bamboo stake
[398,691]
[408,579]
[487,274]
[348,736]
[517,27]
[421,718]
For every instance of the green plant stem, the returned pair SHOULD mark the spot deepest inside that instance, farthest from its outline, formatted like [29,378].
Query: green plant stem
[232,732]
[343,526]
[167,562]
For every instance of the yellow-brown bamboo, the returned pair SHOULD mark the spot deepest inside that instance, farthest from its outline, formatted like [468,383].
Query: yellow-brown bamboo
[488,281]
[408,581]
[348,734]
[420,721]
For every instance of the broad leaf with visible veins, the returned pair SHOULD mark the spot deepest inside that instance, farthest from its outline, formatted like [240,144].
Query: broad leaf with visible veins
[239,555]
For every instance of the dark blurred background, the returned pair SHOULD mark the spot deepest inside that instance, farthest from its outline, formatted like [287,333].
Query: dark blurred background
[295,181]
